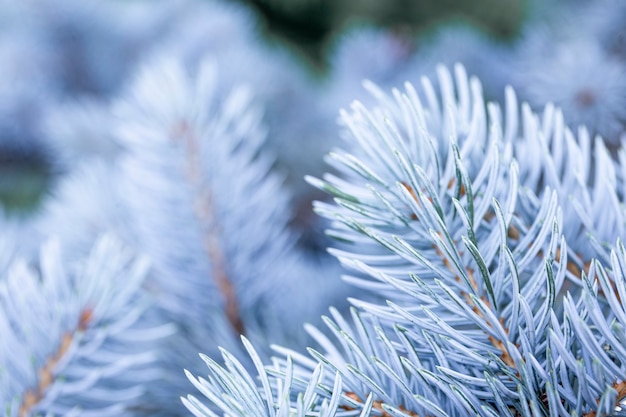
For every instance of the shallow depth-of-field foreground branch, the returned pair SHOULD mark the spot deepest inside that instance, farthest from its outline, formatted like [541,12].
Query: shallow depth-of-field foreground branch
[492,237]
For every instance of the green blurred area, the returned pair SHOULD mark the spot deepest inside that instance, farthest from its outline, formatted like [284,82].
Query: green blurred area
[310,25]
[24,181]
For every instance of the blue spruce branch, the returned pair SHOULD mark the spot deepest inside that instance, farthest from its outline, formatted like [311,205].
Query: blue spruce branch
[462,221]
[76,341]
[483,242]
[211,213]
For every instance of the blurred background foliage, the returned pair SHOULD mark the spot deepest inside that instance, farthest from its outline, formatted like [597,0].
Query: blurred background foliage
[310,26]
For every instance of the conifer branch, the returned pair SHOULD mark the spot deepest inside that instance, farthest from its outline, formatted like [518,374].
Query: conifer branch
[206,213]
[64,331]
[472,257]
[46,374]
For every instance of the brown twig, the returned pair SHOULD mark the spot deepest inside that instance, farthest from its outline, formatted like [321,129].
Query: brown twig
[572,266]
[462,191]
[620,387]
[207,215]
[377,405]
[499,344]
[45,375]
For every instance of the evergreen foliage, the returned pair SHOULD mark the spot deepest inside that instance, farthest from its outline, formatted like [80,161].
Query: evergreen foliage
[480,235]
[76,341]
[194,174]
[503,295]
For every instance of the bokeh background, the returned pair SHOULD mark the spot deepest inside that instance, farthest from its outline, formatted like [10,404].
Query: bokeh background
[310,26]
[308,29]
